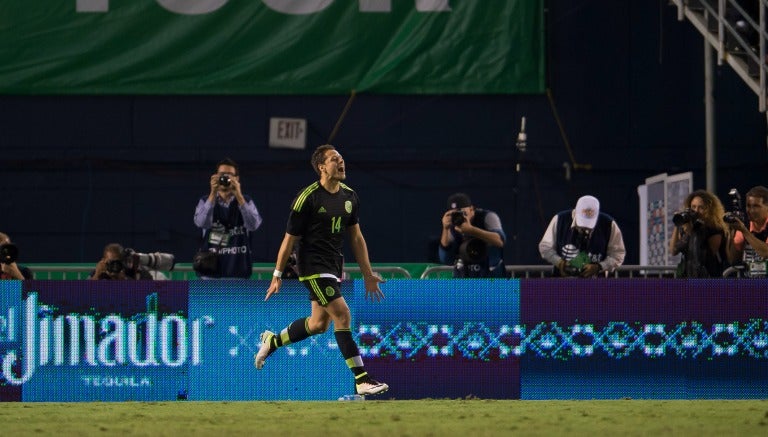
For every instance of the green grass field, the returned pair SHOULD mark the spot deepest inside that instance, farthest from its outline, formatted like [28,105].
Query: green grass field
[389,418]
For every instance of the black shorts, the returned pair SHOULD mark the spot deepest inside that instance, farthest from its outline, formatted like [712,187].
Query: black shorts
[323,290]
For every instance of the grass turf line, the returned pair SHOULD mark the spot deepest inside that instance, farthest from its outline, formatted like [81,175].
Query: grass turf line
[389,418]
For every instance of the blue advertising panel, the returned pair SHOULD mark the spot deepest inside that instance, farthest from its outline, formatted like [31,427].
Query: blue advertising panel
[10,337]
[488,338]
[442,338]
[426,338]
[234,313]
[644,338]
[99,341]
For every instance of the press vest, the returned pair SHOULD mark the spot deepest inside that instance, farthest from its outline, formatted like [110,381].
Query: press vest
[229,238]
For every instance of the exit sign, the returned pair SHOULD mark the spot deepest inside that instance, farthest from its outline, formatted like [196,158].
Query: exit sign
[288,133]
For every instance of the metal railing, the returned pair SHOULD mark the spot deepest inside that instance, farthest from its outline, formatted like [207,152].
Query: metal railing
[545,271]
[186,273]
[387,272]
[50,272]
[644,272]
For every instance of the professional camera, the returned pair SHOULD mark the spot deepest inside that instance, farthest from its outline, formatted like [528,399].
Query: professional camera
[9,253]
[685,216]
[736,212]
[115,266]
[472,259]
[224,180]
[458,217]
[132,260]
[473,251]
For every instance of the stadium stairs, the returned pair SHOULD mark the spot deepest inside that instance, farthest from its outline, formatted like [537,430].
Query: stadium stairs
[716,20]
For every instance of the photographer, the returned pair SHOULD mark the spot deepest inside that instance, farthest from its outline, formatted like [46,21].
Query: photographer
[112,266]
[9,253]
[226,218]
[472,240]
[583,242]
[700,236]
[748,246]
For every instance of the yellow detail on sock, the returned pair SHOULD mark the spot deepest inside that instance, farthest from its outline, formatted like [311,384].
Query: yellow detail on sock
[284,337]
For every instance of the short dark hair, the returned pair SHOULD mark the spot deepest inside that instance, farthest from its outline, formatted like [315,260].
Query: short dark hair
[115,248]
[760,192]
[230,162]
[318,156]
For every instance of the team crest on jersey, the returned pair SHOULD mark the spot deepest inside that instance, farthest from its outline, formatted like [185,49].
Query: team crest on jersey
[348,206]
[329,291]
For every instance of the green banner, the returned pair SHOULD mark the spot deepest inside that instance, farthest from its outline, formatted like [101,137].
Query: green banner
[271,46]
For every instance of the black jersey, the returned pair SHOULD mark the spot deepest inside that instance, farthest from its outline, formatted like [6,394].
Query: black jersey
[321,219]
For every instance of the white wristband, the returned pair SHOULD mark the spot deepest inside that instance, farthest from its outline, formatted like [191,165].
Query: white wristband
[277,274]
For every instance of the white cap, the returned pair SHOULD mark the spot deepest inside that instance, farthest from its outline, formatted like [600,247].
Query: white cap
[586,212]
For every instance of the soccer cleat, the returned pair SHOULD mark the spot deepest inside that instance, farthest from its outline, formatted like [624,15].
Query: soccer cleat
[371,387]
[264,350]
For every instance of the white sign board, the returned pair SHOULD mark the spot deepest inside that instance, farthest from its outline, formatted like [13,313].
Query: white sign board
[288,133]
[660,197]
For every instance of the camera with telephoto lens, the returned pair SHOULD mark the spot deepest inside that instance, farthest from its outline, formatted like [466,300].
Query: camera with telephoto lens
[224,180]
[472,259]
[473,251]
[132,260]
[736,212]
[458,217]
[9,253]
[115,266]
[685,216]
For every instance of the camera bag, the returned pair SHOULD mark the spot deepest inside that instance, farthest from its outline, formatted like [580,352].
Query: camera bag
[205,263]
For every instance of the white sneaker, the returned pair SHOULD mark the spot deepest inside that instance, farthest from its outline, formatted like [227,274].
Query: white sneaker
[371,387]
[264,350]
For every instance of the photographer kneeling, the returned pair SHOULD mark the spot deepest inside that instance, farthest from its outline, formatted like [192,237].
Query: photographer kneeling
[472,240]
[700,236]
[119,264]
[9,253]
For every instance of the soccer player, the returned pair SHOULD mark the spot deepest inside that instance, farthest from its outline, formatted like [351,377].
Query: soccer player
[320,216]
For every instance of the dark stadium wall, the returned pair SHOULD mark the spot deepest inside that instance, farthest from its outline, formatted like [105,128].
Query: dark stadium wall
[626,81]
